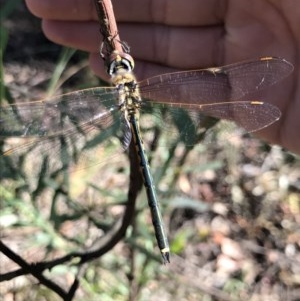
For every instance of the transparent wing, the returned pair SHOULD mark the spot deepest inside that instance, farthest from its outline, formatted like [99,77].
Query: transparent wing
[186,122]
[64,132]
[62,114]
[181,102]
[223,84]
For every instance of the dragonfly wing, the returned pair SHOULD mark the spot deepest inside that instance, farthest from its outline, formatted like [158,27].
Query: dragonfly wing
[59,114]
[222,84]
[188,123]
[250,115]
[75,131]
[72,151]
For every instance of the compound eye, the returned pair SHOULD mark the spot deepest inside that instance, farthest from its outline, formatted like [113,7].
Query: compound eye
[120,61]
[129,61]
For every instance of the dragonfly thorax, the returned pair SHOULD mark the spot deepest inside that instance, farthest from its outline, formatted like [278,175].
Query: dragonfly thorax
[128,91]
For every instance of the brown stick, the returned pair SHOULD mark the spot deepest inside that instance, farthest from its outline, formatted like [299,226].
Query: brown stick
[108,28]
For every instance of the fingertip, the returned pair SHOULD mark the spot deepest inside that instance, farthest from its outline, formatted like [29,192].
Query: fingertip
[66,10]
[36,7]
[80,35]
[47,9]
[51,31]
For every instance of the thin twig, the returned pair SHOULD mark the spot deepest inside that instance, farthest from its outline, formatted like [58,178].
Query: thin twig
[108,28]
[98,249]
[29,269]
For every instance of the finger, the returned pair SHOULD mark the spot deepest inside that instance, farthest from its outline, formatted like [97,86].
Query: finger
[80,35]
[175,12]
[64,10]
[176,47]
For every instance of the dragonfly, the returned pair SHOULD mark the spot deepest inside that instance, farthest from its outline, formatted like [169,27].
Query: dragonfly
[72,123]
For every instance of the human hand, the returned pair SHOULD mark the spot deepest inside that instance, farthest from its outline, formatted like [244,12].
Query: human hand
[169,35]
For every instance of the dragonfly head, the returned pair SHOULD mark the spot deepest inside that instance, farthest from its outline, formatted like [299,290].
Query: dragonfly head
[119,61]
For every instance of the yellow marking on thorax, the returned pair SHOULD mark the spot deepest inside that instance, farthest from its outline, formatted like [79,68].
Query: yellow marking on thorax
[123,77]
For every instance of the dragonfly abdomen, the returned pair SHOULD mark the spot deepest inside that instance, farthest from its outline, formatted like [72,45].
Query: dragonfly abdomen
[157,220]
